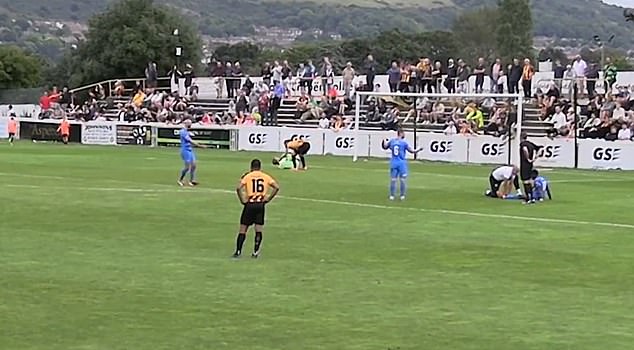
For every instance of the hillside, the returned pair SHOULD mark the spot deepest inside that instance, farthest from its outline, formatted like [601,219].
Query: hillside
[574,19]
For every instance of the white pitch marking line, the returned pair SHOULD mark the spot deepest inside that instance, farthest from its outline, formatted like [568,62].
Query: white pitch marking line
[345,203]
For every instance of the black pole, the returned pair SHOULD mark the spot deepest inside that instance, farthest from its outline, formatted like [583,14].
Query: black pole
[575,92]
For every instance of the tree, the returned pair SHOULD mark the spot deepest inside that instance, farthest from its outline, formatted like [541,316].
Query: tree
[515,29]
[476,30]
[18,69]
[120,42]
[553,54]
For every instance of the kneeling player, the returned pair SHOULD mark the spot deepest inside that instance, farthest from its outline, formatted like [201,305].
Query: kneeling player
[500,176]
[255,190]
[297,148]
[541,187]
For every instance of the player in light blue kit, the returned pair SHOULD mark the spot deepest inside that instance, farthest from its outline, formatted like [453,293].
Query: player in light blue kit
[541,188]
[398,164]
[187,154]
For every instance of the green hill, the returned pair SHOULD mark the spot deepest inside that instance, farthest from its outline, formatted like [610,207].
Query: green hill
[574,19]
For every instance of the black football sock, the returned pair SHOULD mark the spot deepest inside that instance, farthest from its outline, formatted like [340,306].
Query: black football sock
[516,183]
[258,242]
[303,161]
[294,162]
[240,242]
[528,192]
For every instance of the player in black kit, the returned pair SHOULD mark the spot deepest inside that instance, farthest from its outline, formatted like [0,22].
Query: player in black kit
[528,155]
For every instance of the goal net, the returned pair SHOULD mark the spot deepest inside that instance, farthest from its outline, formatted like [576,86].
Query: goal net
[464,128]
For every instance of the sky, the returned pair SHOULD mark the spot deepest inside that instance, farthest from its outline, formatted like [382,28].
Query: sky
[624,3]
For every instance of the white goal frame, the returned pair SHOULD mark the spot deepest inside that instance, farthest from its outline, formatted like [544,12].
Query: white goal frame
[357,112]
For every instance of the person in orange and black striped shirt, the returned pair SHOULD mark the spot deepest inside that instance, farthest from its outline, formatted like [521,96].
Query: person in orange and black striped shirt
[255,190]
[297,148]
[527,78]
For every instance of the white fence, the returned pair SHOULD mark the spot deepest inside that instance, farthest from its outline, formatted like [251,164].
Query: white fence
[557,153]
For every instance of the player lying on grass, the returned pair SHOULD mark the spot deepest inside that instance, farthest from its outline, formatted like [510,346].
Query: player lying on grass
[255,190]
[297,148]
[541,187]
[501,175]
[398,147]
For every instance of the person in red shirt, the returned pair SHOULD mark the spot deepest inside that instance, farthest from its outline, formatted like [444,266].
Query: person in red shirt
[12,129]
[64,130]
[45,103]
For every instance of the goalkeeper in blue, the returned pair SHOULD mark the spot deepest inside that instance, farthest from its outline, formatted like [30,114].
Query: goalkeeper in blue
[398,147]
[541,189]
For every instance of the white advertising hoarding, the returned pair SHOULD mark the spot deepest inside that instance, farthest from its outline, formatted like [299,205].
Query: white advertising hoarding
[446,148]
[98,133]
[4,131]
[601,154]
[556,153]
[487,149]
[342,143]
[265,139]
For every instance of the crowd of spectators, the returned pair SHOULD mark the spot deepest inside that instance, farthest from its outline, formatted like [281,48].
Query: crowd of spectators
[608,116]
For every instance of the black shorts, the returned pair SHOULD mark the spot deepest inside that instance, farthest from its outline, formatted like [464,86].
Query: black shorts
[11,135]
[303,149]
[526,170]
[495,185]
[252,214]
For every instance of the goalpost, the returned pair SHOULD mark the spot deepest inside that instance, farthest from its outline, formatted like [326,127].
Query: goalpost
[515,101]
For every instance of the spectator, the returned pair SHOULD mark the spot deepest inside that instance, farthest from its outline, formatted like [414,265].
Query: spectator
[625,134]
[218,74]
[324,123]
[263,107]
[610,74]
[475,117]
[394,77]
[287,76]
[229,80]
[452,75]
[527,78]
[151,75]
[406,76]
[422,79]
[580,67]
[308,77]
[612,135]
[188,74]
[45,105]
[248,85]
[592,76]
[514,76]
[496,72]
[559,123]
[479,71]
[463,77]
[558,73]
[119,88]
[266,73]
[301,107]
[370,71]
[237,76]
[436,76]
[276,73]
[348,74]
[325,72]
[500,82]
[276,102]
[390,119]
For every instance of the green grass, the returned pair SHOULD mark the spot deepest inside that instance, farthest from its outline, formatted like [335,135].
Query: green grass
[100,250]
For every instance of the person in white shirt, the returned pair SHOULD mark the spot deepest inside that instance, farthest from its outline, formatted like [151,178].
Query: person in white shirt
[580,67]
[559,122]
[500,176]
[625,133]
[501,83]
[619,112]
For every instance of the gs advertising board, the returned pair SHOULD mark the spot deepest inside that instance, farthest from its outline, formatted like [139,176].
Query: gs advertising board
[314,136]
[599,154]
[47,131]
[439,147]
[343,143]
[488,150]
[266,139]
[558,153]
[215,138]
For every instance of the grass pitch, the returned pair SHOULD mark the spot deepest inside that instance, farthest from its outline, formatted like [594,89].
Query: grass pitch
[100,250]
